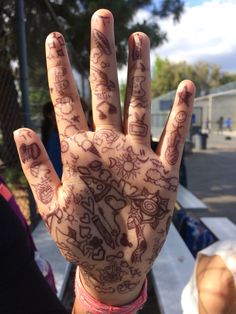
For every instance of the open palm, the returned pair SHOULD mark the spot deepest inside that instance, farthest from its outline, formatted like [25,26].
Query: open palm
[111,211]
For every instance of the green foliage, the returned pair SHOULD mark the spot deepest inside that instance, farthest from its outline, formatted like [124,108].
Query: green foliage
[14,178]
[38,96]
[72,18]
[227,78]
[76,16]
[122,92]
[167,75]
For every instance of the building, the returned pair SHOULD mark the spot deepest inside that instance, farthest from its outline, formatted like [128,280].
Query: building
[221,101]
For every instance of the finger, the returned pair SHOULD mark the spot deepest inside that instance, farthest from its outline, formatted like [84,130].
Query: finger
[138,93]
[171,145]
[37,168]
[64,94]
[103,72]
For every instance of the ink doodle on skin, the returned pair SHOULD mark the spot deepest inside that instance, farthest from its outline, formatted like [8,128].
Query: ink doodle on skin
[29,152]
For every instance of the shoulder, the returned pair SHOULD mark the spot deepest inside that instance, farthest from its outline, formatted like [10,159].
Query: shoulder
[216,285]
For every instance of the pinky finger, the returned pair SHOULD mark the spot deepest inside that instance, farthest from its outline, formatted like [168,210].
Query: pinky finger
[171,145]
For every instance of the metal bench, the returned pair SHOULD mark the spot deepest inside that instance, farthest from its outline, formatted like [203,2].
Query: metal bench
[48,250]
[174,265]
[187,200]
[221,227]
[171,272]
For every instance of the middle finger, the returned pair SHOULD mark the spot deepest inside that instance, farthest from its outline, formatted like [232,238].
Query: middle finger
[103,72]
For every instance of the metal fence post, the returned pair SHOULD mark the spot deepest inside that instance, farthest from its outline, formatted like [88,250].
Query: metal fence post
[20,16]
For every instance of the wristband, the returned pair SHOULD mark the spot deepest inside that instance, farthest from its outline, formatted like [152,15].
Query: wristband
[94,306]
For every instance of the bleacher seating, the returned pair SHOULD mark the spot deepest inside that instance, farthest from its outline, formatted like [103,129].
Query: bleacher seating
[48,250]
[172,269]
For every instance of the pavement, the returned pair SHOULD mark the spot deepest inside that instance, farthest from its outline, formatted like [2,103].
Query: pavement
[211,175]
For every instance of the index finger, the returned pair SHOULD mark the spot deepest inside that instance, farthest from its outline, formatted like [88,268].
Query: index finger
[64,94]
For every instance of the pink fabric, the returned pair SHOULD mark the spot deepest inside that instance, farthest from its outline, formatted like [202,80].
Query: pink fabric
[95,307]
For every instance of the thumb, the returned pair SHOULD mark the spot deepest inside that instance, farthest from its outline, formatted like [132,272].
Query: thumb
[37,168]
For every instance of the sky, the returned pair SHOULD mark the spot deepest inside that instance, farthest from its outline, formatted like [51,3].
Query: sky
[206,32]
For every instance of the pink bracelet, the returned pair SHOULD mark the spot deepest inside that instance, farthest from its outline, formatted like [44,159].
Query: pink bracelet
[93,306]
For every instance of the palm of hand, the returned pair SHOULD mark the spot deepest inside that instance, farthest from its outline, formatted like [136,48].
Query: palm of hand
[111,212]
[115,206]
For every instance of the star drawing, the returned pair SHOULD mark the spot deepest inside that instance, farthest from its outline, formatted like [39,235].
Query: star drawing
[184,96]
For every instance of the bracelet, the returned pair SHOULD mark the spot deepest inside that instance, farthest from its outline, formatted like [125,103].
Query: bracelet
[94,306]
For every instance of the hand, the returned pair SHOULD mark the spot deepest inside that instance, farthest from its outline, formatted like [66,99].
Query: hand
[111,211]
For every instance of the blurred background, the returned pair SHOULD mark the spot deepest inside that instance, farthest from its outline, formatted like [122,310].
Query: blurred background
[189,39]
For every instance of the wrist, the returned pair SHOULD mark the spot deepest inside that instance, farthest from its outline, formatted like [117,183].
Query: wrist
[89,299]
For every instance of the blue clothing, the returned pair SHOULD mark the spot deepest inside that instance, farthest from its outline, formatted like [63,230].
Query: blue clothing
[228,123]
[53,149]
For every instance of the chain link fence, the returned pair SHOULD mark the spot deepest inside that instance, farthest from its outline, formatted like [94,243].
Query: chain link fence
[37,13]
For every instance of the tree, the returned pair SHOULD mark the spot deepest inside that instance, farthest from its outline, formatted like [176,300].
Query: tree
[167,75]
[205,76]
[76,16]
[72,19]
[227,78]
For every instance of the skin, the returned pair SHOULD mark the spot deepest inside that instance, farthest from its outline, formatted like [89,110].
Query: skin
[111,211]
[216,286]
